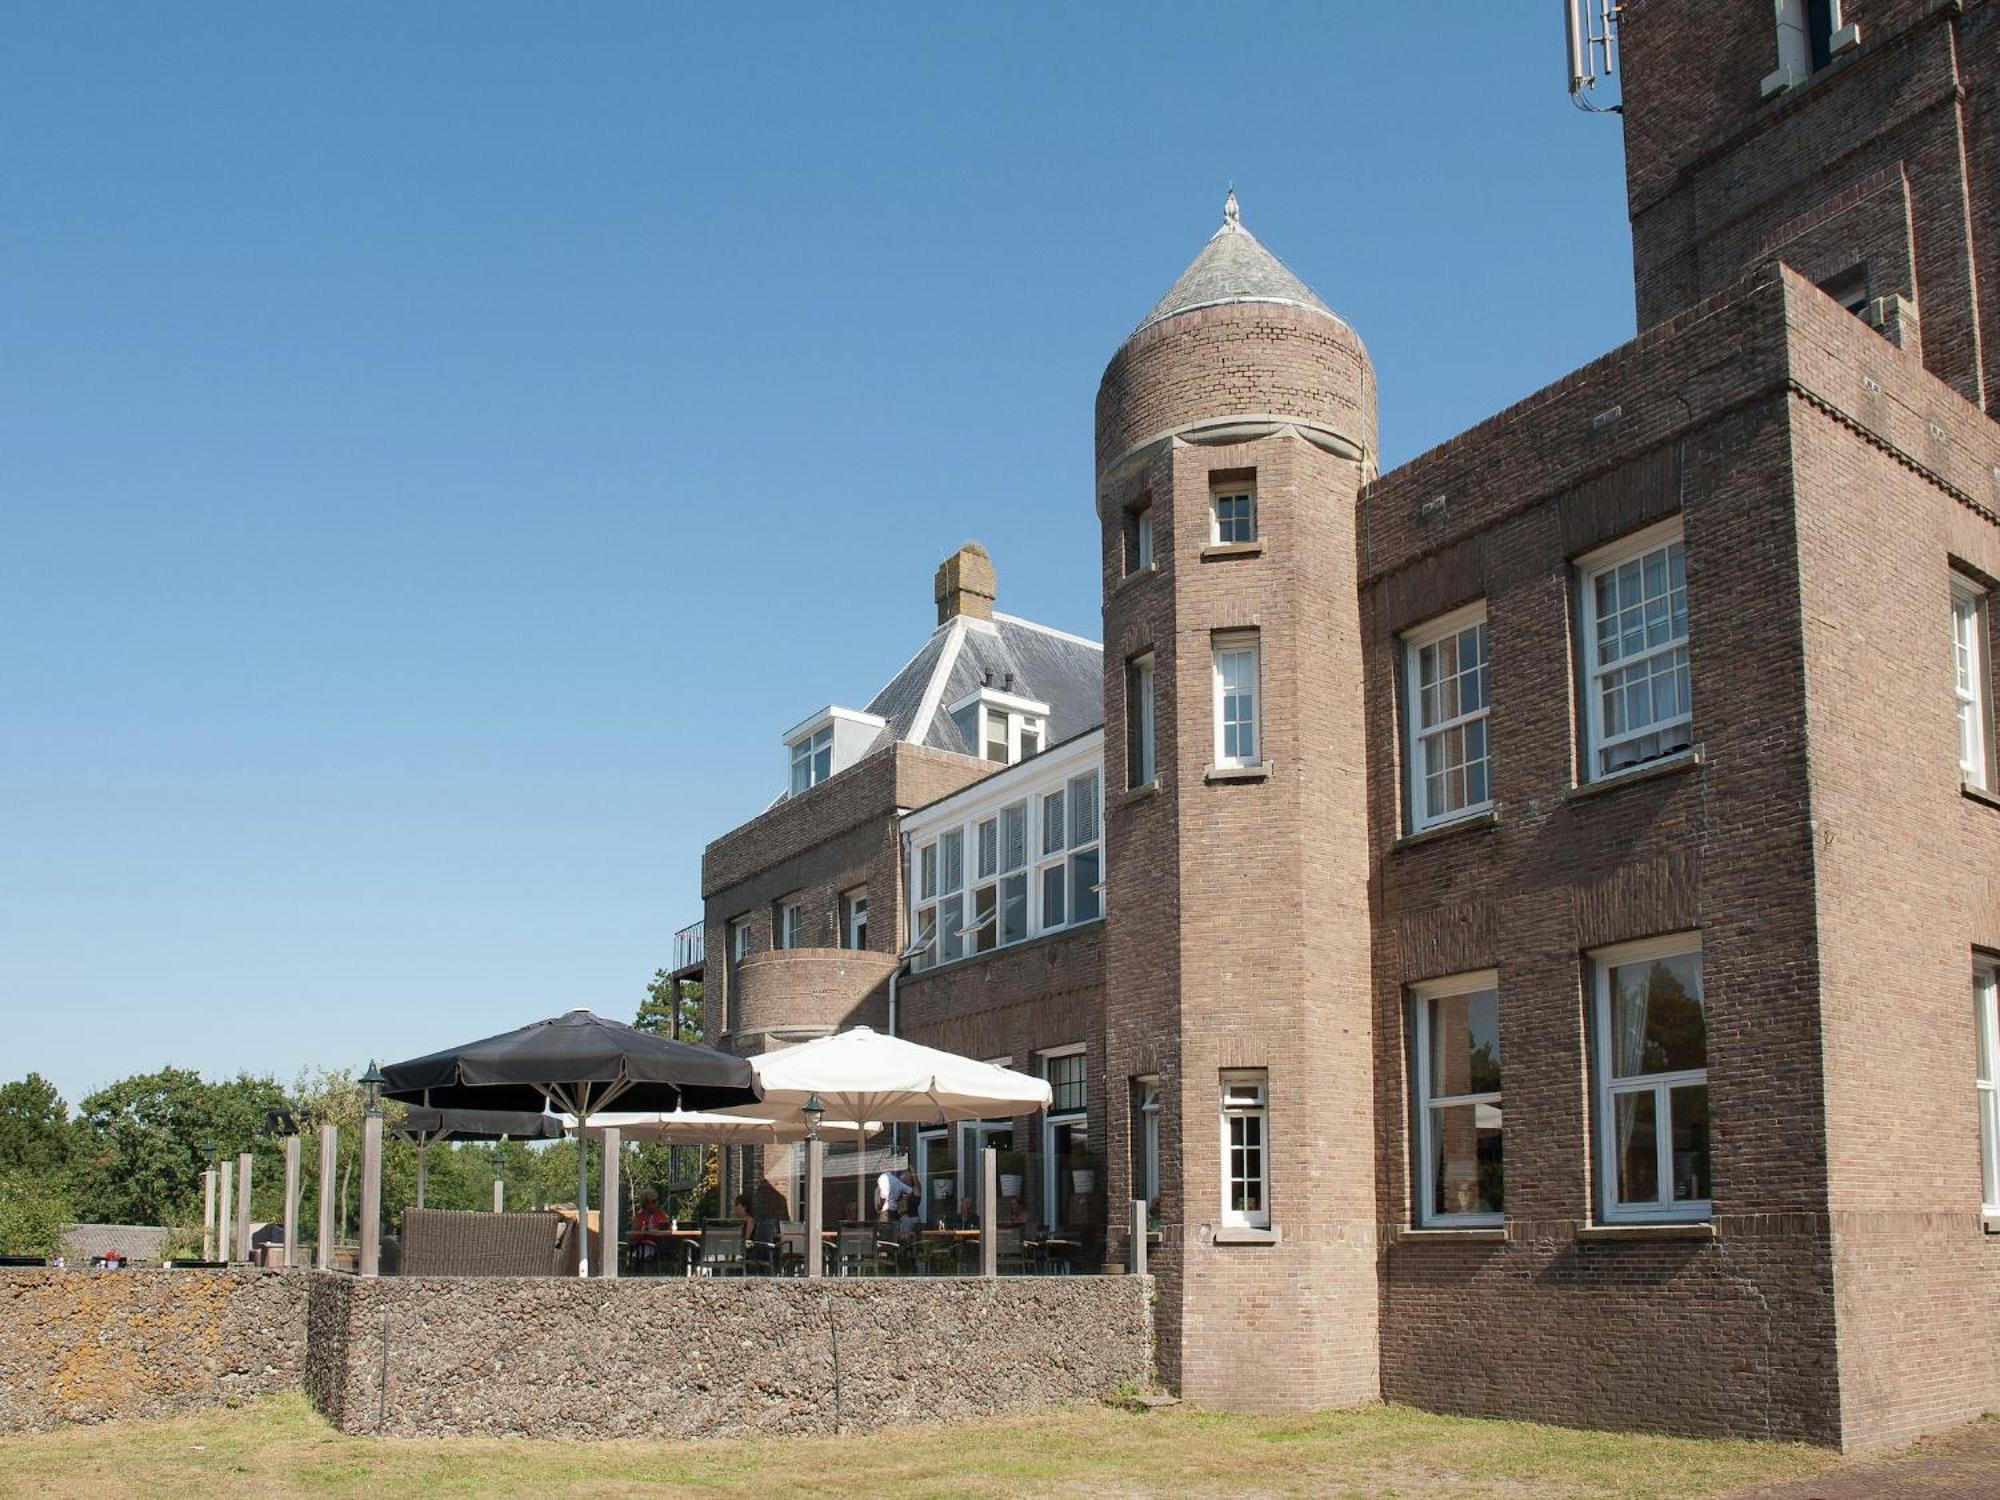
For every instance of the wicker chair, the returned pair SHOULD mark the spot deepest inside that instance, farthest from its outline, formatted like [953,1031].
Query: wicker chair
[451,1242]
[1010,1251]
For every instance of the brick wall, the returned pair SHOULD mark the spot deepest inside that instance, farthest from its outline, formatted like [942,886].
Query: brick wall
[1239,907]
[1556,1321]
[1885,158]
[1906,869]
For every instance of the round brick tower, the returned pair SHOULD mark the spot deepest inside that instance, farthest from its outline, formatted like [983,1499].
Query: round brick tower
[1235,428]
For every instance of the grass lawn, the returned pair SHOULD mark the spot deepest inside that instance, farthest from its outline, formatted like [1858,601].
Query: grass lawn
[278,1446]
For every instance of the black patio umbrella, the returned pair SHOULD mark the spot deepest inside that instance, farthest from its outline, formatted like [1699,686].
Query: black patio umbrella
[579,1064]
[423,1127]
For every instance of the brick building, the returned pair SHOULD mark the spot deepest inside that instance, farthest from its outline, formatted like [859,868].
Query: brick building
[1526,918]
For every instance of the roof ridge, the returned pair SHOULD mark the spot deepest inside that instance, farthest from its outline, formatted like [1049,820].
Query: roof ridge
[1049,630]
[927,707]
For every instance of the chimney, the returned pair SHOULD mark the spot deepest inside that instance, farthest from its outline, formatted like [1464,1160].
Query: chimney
[965,585]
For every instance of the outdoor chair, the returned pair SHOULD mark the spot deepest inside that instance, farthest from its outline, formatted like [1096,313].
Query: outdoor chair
[792,1248]
[1009,1250]
[722,1247]
[857,1250]
[456,1242]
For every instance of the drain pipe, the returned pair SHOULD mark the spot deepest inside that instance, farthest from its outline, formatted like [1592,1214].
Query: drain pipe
[895,974]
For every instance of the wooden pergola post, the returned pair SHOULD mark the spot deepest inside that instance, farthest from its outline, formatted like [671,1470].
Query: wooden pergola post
[607,1209]
[329,1166]
[1138,1236]
[292,1147]
[371,1195]
[225,1221]
[989,1211]
[208,1214]
[815,1206]
[243,1206]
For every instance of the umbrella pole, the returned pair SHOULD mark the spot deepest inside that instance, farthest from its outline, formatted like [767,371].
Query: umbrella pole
[423,1148]
[582,1196]
[861,1204]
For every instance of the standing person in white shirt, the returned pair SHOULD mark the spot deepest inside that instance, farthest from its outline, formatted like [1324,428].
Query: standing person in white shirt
[889,1188]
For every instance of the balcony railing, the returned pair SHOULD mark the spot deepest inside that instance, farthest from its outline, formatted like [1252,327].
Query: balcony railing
[690,948]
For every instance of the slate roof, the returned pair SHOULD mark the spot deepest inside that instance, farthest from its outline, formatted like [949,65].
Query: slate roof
[1050,666]
[1234,266]
[135,1242]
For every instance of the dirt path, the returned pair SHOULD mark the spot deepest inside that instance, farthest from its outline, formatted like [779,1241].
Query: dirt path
[1962,1465]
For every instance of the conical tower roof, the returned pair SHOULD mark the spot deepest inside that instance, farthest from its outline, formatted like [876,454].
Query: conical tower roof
[1234,266]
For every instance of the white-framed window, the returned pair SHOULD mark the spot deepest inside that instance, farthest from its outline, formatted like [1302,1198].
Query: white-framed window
[1146,1139]
[1986,1023]
[1232,508]
[1448,691]
[1651,1037]
[1455,1032]
[1015,857]
[1970,680]
[1246,1168]
[1236,699]
[854,918]
[1632,606]
[1140,767]
[812,759]
[738,948]
[1065,1131]
[790,928]
[1139,537]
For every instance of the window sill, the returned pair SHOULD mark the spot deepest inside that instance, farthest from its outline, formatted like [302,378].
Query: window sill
[1978,794]
[1133,794]
[1615,1234]
[1469,1234]
[1259,772]
[1215,551]
[1137,575]
[1990,1222]
[1476,822]
[1240,1235]
[1673,765]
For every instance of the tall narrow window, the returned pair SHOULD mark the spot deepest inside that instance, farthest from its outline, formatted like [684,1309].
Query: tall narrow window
[1233,509]
[1986,1021]
[1053,871]
[1236,694]
[791,924]
[1139,768]
[1065,1132]
[1146,1140]
[812,759]
[739,949]
[924,924]
[1086,899]
[951,898]
[1652,1081]
[1246,1196]
[1448,691]
[854,918]
[1139,537]
[1634,613]
[1970,683]
[1014,873]
[1456,1032]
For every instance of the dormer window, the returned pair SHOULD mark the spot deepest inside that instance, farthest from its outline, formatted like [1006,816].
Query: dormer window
[1000,726]
[812,759]
[829,742]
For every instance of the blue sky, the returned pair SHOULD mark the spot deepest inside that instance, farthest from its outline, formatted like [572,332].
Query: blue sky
[442,447]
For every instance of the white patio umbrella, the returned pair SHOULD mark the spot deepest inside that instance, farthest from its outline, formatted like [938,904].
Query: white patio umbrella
[865,1075]
[694,1128]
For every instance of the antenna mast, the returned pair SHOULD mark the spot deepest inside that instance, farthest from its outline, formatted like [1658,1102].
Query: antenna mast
[1590,27]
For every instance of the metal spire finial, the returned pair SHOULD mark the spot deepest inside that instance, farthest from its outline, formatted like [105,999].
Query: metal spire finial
[1232,217]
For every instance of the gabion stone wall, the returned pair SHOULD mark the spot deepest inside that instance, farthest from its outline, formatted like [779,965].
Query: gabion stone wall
[668,1357]
[95,1346]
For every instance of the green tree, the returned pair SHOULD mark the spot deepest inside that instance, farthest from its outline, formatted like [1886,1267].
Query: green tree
[667,1000]
[142,1145]
[35,1133]
[34,1207]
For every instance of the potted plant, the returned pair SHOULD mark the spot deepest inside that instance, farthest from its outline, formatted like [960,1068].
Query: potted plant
[1083,1163]
[1012,1165]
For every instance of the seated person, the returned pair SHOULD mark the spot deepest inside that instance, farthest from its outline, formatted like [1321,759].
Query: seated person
[649,1221]
[968,1215]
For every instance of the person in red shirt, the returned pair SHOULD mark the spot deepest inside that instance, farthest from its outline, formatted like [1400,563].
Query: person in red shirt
[649,1223]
